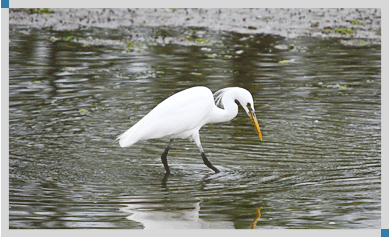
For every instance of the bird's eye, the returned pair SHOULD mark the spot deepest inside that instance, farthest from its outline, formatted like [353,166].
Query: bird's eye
[248,105]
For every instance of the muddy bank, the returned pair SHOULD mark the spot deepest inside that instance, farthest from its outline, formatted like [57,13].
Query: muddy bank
[291,23]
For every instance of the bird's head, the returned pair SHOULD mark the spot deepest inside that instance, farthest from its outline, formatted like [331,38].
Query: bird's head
[244,97]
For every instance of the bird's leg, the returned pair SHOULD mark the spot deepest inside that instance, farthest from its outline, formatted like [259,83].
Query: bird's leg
[208,163]
[164,157]
[165,180]
[205,160]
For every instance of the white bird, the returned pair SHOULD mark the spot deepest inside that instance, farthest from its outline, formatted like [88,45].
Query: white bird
[184,113]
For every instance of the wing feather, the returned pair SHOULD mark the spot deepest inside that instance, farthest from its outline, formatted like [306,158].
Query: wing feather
[175,116]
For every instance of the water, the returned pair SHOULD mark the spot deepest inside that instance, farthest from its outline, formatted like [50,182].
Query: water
[318,105]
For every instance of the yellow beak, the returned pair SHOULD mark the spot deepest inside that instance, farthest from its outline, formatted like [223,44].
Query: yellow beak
[256,124]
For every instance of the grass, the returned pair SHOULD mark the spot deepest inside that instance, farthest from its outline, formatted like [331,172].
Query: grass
[353,22]
[40,11]
[69,38]
[328,30]
[344,30]
[197,39]
[130,45]
[315,24]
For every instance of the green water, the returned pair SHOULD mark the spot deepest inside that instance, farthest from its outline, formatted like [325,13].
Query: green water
[318,166]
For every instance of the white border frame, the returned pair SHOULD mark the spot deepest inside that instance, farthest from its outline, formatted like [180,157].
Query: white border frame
[383,4]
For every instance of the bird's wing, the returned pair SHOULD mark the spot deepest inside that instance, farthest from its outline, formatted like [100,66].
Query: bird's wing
[175,116]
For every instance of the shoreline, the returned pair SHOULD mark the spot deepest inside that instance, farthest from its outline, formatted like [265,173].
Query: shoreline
[289,23]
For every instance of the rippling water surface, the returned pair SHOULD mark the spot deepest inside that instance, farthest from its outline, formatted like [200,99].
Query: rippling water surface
[71,93]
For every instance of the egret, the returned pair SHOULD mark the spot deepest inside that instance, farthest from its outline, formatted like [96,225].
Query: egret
[184,113]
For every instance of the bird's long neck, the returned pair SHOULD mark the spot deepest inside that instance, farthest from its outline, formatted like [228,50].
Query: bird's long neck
[228,113]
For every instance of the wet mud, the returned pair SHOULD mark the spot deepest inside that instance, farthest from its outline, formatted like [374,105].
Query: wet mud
[290,23]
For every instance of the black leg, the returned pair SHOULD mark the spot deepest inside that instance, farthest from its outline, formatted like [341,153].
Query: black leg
[208,163]
[205,160]
[165,180]
[165,161]
[164,157]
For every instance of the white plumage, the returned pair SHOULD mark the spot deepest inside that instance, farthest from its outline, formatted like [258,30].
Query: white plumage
[184,113]
[175,117]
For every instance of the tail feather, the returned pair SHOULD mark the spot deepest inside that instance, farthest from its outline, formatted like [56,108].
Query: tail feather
[125,139]
[129,137]
[132,135]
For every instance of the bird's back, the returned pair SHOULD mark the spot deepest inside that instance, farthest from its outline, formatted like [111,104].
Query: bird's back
[178,116]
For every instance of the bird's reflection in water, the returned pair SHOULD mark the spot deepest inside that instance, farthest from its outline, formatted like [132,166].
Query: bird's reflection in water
[171,218]
[258,215]
[166,213]
[165,180]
